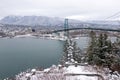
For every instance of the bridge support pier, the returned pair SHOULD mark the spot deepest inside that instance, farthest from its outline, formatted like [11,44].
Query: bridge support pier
[66,27]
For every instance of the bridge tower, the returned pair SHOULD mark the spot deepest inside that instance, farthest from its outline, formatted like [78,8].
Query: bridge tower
[66,27]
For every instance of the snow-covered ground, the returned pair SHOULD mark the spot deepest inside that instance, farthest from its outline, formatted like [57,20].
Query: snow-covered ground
[68,73]
[22,36]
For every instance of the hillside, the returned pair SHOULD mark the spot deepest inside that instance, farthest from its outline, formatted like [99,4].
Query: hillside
[53,22]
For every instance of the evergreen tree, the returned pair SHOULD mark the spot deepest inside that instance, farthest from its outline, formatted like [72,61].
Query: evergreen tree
[71,53]
[116,53]
[116,46]
[65,53]
[77,54]
[101,51]
[91,48]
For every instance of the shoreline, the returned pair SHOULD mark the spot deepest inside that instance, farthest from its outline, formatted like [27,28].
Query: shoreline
[38,37]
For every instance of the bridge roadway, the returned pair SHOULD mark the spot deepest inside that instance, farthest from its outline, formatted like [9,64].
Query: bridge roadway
[100,29]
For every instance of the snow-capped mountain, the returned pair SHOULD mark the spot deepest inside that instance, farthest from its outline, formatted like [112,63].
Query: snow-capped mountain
[52,22]
[31,20]
[1,25]
[105,22]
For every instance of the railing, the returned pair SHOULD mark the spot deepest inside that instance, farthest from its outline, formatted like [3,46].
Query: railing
[100,77]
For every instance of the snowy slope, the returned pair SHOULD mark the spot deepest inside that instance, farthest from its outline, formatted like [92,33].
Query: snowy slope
[67,73]
[31,20]
[35,20]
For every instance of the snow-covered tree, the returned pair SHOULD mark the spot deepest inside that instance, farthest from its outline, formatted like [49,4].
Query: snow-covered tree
[77,54]
[116,52]
[71,53]
[91,48]
[100,51]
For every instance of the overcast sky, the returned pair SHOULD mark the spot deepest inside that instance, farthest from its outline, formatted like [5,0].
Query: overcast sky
[76,9]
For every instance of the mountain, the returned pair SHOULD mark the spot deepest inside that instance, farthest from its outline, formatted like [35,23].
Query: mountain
[31,20]
[34,20]
[53,22]
[105,22]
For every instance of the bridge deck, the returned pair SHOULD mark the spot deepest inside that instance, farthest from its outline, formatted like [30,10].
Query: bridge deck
[101,29]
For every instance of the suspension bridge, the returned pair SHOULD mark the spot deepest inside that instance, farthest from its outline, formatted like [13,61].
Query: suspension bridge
[67,28]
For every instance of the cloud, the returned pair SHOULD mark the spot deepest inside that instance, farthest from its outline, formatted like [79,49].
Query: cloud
[81,9]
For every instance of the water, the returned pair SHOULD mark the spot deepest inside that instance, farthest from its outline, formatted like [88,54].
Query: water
[19,54]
